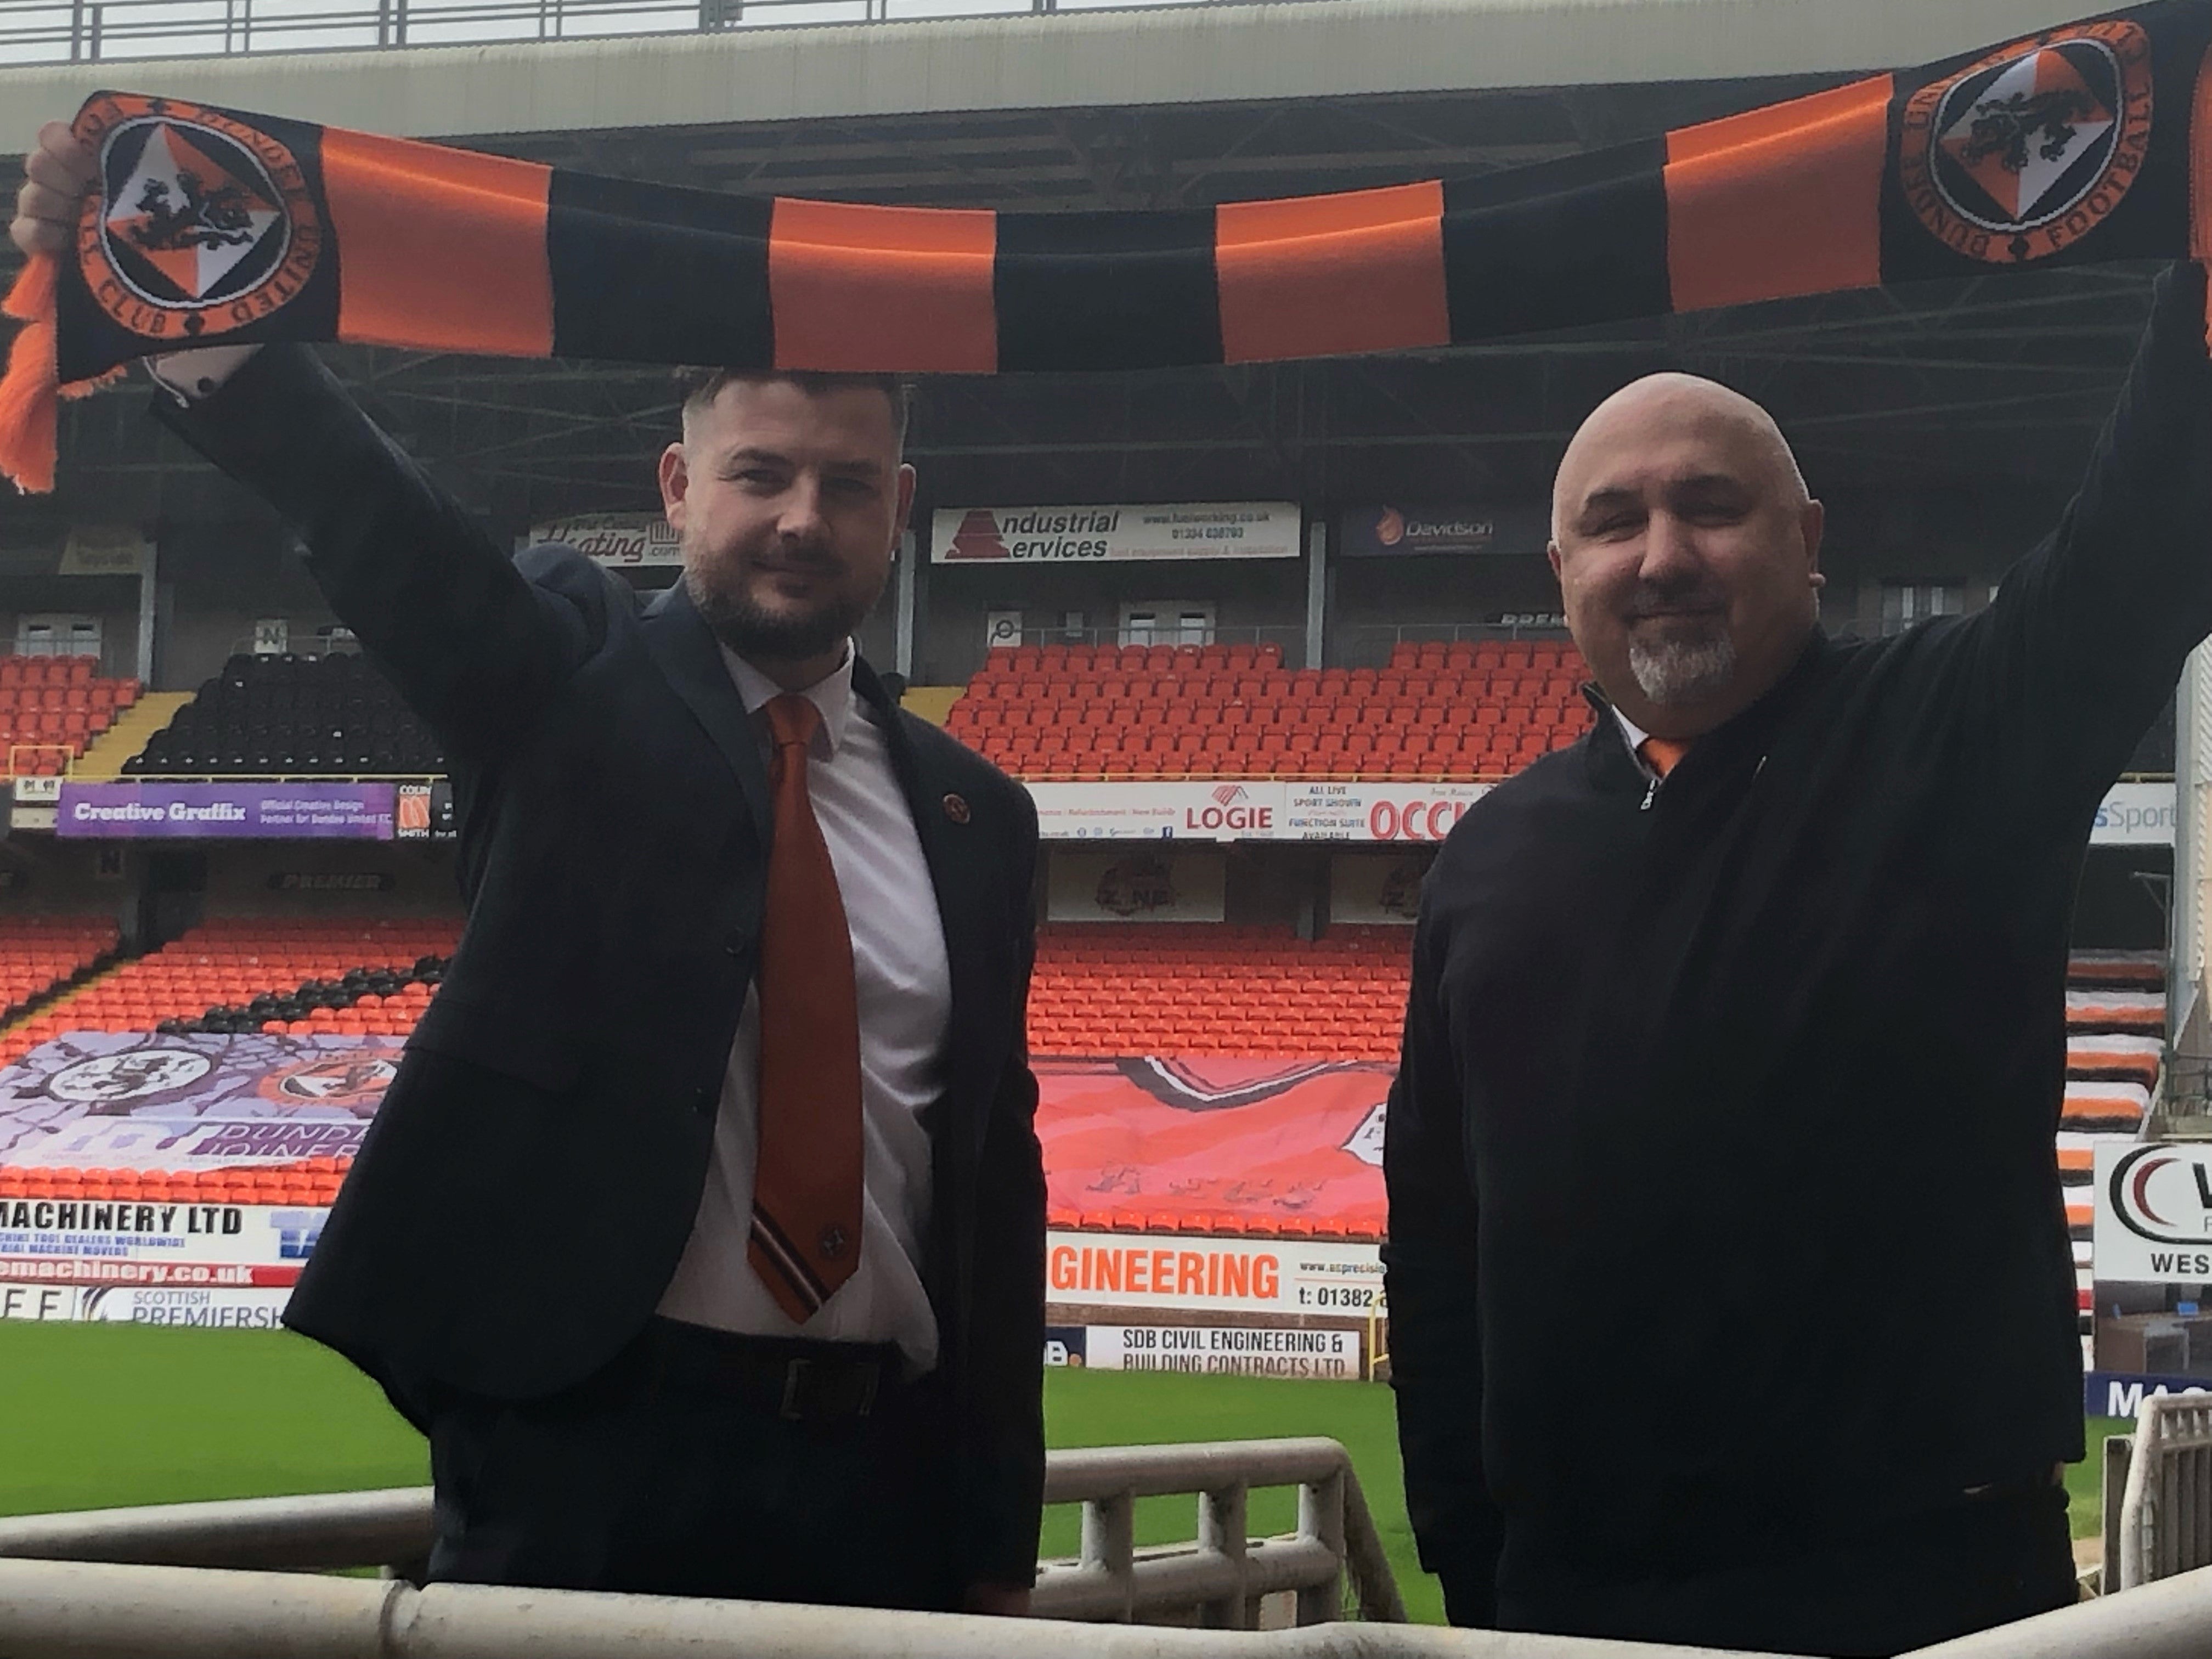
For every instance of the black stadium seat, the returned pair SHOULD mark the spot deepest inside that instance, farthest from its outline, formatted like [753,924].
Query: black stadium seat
[330,716]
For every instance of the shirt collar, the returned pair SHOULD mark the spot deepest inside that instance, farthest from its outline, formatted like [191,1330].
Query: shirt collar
[1635,733]
[832,695]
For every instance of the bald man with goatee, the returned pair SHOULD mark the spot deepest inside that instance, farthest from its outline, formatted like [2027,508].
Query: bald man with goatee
[1731,1298]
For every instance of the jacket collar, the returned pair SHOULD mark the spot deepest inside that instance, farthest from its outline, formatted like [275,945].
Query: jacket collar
[960,872]
[831,694]
[691,657]
[1613,760]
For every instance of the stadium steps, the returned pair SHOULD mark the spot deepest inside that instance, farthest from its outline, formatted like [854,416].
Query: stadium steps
[67,966]
[16,1033]
[209,977]
[103,760]
[933,702]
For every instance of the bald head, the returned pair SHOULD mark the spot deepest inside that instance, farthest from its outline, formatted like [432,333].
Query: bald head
[1687,551]
[1664,404]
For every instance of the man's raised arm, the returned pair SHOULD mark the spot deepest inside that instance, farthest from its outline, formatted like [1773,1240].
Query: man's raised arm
[474,647]
[2081,645]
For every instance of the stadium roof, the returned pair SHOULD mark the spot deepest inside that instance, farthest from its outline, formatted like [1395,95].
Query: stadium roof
[1047,59]
[1986,392]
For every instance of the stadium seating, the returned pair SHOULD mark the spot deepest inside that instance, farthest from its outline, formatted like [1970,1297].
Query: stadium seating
[329,716]
[2115,1045]
[1464,710]
[352,976]
[51,707]
[312,1181]
[2115,1036]
[1104,988]
[38,955]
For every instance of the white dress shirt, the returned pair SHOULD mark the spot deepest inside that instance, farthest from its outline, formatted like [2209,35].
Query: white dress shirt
[1636,735]
[904,984]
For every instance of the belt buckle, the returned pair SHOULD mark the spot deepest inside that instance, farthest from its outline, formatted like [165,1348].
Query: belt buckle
[802,1400]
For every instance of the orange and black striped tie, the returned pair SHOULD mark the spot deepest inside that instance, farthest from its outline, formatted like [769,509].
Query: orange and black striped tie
[805,1238]
[1661,754]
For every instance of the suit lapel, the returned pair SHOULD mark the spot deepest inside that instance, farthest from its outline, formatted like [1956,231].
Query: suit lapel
[960,875]
[685,646]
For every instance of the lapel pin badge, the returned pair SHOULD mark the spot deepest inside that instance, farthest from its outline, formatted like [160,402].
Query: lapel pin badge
[956,808]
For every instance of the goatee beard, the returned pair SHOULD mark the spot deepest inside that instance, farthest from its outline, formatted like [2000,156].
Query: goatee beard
[1675,670]
[760,636]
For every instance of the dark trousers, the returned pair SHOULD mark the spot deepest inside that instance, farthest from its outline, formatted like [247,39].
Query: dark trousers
[681,1469]
[1919,1580]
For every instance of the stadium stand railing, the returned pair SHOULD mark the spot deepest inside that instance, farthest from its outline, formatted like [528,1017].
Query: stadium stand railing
[51,709]
[1219,1578]
[291,716]
[1468,709]
[2160,1525]
[64,1609]
[79,33]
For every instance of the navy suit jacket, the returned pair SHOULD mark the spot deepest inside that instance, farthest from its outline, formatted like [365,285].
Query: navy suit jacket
[524,1193]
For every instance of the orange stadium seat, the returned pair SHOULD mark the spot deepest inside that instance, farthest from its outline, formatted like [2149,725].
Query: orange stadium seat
[51,708]
[40,955]
[363,975]
[1245,715]
[1226,990]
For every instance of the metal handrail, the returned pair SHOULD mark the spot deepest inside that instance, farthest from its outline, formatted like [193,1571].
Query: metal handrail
[87,31]
[1222,1574]
[70,1609]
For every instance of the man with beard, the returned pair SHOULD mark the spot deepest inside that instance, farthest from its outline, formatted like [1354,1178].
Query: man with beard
[701,1229]
[1731,1298]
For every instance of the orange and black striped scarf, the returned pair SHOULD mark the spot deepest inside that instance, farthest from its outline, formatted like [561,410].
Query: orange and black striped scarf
[2090,142]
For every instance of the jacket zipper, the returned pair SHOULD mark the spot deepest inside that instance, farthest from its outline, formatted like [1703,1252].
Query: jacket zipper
[1650,793]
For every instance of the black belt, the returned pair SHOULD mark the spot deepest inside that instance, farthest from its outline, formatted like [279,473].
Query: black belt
[2025,1485]
[789,1377]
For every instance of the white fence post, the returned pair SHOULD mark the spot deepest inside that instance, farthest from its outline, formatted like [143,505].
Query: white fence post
[1321,1516]
[1109,1545]
[1221,1529]
[2165,1513]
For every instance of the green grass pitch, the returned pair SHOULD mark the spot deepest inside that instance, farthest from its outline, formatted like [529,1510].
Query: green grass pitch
[111,1414]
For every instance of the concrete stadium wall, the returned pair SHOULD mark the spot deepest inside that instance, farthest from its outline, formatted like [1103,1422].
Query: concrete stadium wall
[1197,54]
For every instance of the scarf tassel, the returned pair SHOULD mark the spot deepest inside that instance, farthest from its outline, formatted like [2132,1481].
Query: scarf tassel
[30,389]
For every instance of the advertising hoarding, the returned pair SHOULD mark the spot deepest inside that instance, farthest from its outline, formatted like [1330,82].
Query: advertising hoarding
[2134,815]
[213,811]
[1460,530]
[1219,1275]
[1386,811]
[1113,534]
[635,539]
[1225,1351]
[2151,1232]
[1253,809]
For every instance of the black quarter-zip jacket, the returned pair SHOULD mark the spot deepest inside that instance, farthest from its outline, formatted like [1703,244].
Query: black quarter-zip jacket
[1725,1212]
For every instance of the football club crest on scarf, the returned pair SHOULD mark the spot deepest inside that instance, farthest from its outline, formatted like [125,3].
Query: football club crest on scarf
[204,224]
[2026,151]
